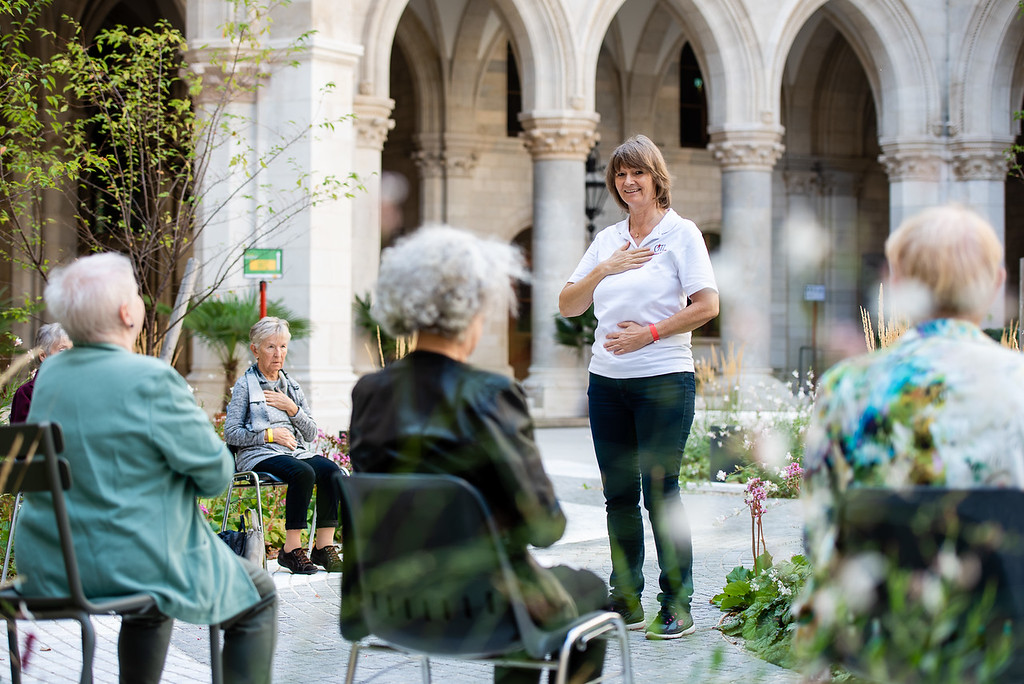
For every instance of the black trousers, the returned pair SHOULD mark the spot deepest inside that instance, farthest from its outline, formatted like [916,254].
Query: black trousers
[301,475]
[249,640]
[590,593]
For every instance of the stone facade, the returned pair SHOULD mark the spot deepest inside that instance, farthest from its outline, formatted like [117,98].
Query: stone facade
[819,126]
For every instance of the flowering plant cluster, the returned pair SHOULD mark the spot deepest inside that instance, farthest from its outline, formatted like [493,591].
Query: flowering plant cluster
[334,448]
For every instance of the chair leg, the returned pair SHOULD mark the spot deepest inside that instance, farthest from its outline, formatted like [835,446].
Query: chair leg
[227,506]
[353,660]
[425,668]
[216,658]
[312,529]
[13,651]
[10,537]
[88,647]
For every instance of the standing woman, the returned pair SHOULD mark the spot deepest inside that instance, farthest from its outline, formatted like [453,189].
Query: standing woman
[639,274]
[269,423]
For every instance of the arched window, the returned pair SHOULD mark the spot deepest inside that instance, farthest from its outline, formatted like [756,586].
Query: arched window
[693,105]
[513,96]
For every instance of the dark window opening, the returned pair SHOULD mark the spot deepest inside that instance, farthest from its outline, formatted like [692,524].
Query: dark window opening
[514,96]
[693,104]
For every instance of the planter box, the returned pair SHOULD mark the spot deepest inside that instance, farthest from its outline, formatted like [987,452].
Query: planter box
[727,450]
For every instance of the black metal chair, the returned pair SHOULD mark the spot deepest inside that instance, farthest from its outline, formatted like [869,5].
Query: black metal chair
[30,463]
[426,574]
[911,527]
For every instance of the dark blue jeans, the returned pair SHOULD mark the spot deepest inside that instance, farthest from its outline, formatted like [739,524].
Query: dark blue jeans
[301,475]
[640,426]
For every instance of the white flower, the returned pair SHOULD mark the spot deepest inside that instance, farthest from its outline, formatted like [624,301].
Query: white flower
[721,475]
[17,341]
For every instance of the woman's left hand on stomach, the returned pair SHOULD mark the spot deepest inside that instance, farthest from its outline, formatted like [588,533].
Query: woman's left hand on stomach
[630,337]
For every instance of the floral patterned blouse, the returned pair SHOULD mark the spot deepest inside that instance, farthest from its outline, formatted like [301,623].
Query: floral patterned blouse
[942,406]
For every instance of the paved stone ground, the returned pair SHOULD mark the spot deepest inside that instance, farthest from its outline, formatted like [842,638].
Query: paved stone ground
[310,647]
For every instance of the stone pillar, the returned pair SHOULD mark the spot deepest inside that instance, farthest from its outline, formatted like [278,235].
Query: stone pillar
[372,126]
[744,269]
[915,171]
[559,143]
[979,174]
[224,222]
[429,160]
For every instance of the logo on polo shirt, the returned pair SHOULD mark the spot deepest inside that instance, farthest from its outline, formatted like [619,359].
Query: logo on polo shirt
[659,248]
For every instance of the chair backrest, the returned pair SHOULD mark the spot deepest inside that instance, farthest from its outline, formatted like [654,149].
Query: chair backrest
[31,463]
[424,567]
[911,526]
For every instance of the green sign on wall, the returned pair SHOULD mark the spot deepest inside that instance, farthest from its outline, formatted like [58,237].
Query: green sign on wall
[262,264]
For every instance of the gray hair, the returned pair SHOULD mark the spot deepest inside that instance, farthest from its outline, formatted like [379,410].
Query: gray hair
[86,296]
[267,327]
[439,278]
[49,336]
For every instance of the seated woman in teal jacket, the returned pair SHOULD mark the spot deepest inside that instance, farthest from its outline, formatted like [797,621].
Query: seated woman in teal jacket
[141,451]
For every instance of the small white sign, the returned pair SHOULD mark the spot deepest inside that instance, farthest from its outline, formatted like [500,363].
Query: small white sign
[814,293]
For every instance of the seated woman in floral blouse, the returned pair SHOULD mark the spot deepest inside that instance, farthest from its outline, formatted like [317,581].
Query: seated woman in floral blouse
[944,405]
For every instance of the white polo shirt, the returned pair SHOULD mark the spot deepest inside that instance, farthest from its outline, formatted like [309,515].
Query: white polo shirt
[648,294]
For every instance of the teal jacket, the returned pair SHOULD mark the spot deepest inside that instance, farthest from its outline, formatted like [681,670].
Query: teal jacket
[141,451]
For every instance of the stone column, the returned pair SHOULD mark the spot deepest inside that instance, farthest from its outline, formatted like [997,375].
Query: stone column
[372,125]
[224,224]
[979,175]
[429,159]
[559,143]
[915,171]
[318,242]
[744,270]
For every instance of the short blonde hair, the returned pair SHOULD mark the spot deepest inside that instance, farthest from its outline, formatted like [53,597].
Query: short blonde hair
[267,327]
[640,152]
[953,253]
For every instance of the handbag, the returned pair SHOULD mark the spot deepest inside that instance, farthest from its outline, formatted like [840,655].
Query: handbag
[247,541]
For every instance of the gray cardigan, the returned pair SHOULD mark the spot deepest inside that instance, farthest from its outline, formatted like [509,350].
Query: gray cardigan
[249,416]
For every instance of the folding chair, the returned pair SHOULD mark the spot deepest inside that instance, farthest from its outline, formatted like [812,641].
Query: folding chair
[427,575]
[29,462]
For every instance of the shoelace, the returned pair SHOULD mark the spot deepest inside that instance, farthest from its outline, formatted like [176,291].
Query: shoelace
[299,554]
[332,554]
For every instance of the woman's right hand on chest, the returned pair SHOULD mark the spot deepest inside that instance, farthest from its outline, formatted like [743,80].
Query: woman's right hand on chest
[626,259]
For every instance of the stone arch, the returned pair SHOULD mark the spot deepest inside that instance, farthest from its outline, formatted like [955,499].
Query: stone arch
[892,49]
[377,37]
[724,43]
[428,81]
[989,73]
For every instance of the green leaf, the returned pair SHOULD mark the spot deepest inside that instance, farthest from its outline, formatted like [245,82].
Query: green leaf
[739,573]
[762,563]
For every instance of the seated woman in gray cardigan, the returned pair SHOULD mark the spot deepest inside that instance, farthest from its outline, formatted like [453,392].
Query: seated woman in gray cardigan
[269,422]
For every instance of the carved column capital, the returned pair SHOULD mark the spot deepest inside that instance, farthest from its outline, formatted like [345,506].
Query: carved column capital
[980,160]
[912,161]
[372,122]
[751,150]
[562,135]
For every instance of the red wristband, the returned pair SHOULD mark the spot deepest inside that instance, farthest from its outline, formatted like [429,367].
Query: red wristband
[654,332]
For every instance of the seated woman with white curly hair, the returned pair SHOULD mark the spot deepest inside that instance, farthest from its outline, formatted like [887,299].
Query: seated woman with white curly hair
[432,412]
[141,451]
[270,423]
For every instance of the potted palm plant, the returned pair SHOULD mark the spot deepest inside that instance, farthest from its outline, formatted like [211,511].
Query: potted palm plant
[222,323]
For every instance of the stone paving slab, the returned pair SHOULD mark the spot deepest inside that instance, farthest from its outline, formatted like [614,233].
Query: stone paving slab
[310,647]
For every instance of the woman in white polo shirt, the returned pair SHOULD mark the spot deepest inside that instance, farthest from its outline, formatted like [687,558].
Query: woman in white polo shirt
[640,274]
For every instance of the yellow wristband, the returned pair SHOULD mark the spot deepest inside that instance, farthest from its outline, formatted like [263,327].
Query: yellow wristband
[270,435]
